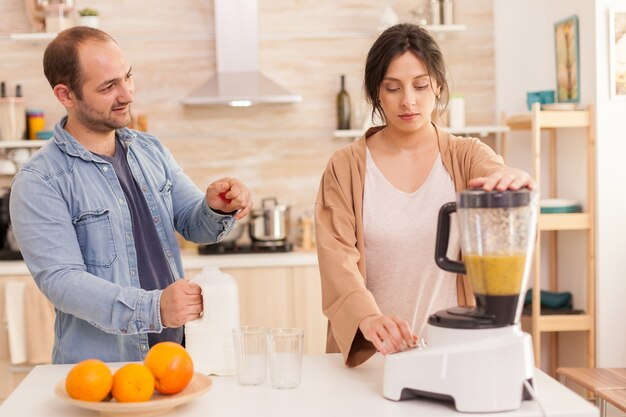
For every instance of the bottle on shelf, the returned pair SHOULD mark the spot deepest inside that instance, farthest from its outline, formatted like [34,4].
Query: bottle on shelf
[343,106]
[435,12]
[447,7]
[456,111]
[12,114]
[20,112]
[36,122]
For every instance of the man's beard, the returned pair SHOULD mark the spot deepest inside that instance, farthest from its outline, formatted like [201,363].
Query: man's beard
[100,122]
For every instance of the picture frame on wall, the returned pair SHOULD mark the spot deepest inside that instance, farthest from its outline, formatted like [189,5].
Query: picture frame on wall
[567,60]
[617,52]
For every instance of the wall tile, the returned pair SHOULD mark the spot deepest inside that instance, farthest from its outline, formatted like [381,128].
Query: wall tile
[279,150]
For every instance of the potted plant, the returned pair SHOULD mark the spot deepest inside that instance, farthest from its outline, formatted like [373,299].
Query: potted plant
[88,17]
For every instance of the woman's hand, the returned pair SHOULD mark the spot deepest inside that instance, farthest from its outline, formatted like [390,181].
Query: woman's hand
[504,179]
[388,334]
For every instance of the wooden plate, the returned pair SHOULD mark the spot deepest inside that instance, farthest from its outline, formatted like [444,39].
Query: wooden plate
[158,404]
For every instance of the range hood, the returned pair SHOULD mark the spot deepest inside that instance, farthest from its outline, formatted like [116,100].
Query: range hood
[238,81]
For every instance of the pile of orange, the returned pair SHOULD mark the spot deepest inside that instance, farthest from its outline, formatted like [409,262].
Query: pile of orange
[168,368]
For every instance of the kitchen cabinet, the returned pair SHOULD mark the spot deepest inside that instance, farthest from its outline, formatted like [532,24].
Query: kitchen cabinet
[10,375]
[550,225]
[282,296]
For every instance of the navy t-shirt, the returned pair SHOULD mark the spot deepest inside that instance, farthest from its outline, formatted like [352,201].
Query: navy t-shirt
[153,269]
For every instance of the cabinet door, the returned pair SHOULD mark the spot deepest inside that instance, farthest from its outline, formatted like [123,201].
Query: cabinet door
[9,378]
[282,297]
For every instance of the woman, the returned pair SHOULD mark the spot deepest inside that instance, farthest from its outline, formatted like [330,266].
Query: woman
[376,211]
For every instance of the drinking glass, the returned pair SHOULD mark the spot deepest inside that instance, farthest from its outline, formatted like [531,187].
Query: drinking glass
[251,354]
[285,354]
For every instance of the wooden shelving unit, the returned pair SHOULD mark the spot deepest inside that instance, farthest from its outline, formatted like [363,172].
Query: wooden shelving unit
[536,122]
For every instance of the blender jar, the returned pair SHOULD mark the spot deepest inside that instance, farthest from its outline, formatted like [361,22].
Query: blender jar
[498,231]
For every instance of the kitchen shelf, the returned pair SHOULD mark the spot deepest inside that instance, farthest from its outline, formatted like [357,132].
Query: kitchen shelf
[561,322]
[348,133]
[482,131]
[34,36]
[44,36]
[12,144]
[444,28]
[550,120]
[566,221]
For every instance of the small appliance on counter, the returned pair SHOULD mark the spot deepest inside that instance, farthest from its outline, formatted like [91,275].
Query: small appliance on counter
[477,357]
[268,230]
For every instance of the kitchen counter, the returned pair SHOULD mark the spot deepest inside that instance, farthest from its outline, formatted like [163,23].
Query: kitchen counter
[327,389]
[193,261]
[252,260]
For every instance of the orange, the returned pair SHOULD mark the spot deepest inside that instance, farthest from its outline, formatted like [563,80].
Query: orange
[132,383]
[89,380]
[171,366]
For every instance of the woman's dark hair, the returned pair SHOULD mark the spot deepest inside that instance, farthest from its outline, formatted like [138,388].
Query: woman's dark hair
[60,60]
[393,42]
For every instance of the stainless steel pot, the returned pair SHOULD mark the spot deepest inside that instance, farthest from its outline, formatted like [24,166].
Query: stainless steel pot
[270,223]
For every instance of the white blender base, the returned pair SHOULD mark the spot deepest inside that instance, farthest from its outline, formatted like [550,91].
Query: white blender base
[480,370]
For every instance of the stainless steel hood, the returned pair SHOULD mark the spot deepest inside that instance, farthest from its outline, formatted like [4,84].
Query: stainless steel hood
[238,81]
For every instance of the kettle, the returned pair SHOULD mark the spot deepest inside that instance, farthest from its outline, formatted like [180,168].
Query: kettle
[209,339]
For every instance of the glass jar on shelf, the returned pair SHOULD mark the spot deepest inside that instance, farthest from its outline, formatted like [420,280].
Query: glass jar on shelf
[56,17]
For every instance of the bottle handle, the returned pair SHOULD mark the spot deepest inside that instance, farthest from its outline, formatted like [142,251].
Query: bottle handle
[443,239]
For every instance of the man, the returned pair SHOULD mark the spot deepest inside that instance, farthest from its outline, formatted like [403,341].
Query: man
[95,212]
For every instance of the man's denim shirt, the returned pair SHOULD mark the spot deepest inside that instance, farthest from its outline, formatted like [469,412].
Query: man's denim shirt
[73,226]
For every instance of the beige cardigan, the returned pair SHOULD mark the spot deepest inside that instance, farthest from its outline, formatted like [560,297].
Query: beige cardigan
[340,243]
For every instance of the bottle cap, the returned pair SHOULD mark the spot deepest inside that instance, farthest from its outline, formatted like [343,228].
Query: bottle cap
[34,112]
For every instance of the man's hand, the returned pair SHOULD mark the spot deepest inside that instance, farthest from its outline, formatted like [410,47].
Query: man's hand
[180,302]
[388,334]
[229,194]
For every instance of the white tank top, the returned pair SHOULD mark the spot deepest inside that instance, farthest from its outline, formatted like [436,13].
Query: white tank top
[400,230]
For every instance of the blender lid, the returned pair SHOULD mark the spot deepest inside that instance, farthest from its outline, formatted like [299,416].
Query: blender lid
[479,198]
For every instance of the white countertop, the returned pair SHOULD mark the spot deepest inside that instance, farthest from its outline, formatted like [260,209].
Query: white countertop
[327,389]
[194,261]
[252,260]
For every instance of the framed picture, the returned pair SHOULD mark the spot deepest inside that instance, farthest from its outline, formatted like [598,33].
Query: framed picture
[567,60]
[617,39]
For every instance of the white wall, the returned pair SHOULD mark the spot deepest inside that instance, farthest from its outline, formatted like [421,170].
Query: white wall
[611,195]
[524,42]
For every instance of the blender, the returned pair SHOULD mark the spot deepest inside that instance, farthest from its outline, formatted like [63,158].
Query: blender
[478,357]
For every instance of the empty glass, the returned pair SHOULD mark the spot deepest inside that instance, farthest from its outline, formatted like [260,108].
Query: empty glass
[285,354]
[251,354]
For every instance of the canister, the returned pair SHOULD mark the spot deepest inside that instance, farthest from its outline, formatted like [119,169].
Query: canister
[36,122]
[456,111]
